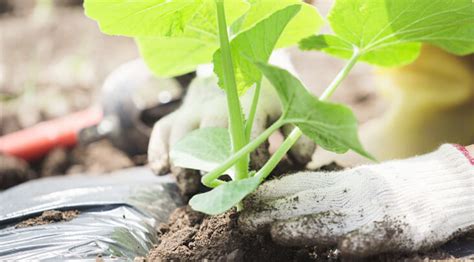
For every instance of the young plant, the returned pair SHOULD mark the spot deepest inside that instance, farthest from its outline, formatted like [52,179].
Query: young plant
[175,36]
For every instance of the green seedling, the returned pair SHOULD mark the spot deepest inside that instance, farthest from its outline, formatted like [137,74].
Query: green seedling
[238,36]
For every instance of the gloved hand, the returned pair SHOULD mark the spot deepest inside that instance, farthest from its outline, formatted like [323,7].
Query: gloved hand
[205,106]
[397,206]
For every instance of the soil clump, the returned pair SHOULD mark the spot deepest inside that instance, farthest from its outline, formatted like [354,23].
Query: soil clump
[192,236]
[49,217]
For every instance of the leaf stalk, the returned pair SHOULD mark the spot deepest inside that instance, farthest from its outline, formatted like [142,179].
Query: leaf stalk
[296,133]
[253,110]
[341,76]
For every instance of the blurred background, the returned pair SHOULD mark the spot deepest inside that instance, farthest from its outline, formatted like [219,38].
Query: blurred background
[53,61]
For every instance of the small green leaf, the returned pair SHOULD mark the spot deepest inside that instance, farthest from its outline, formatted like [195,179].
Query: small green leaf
[332,126]
[224,197]
[203,149]
[257,44]
[390,32]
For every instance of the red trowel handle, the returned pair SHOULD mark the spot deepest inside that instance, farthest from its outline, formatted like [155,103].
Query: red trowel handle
[34,142]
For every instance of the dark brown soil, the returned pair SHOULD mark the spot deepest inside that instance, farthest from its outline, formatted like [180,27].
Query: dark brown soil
[49,217]
[56,162]
[100,157]
[191,236]
[14,171]
[5,7]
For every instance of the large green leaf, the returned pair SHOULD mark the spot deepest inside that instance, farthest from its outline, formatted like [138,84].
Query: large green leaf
[256,44]
[307,22]
[173,36]
[388,56]
[224,197]
[203,149]
[168,57]
[389,32]
[161,17]
[331,126]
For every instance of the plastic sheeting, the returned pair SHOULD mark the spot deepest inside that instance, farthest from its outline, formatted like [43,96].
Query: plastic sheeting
[118,215]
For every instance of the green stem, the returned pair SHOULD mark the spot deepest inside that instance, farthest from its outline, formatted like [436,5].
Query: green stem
[236,123]
[211,178]
[279,154]
[296,133]
[253,110]
[340,76]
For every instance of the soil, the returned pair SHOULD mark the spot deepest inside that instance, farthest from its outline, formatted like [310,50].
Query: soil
[191,236]
[14,171]
[48,217]
[100,157]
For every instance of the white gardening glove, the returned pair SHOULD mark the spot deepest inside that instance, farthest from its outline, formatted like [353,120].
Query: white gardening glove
[397,206]
[205,106]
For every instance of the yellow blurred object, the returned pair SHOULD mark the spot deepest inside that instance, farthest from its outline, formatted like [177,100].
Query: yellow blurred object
[431,103]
